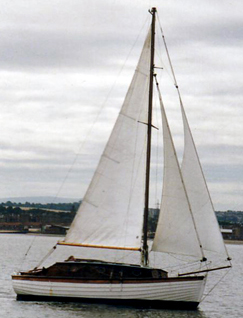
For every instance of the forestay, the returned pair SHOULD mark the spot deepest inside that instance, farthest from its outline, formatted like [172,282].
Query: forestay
[110,214]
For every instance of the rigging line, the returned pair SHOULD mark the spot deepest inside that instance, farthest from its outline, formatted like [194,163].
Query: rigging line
[124,256]
[167,53]
[159,56]
[206,295]
[164,66]
[27,252]
[98,114]
[46,256]
[190,133]
[186,265]
[182,260]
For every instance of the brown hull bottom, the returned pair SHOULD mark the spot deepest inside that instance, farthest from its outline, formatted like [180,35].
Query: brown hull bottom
[127,303]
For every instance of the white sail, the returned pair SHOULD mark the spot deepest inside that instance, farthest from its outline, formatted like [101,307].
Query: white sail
[111,211]
[202,207]
[175,231]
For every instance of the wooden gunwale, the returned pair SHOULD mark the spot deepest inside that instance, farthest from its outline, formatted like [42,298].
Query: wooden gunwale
[75,280]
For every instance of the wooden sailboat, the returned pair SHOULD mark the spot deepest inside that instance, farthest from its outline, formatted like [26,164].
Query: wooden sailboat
[114,215]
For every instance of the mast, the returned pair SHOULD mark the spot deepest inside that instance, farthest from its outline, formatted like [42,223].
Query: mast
[149,135]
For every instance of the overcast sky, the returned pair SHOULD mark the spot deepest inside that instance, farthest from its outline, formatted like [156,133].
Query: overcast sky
[64,70]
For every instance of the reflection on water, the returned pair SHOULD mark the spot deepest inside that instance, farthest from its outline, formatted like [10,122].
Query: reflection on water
[70,310]
[224,301]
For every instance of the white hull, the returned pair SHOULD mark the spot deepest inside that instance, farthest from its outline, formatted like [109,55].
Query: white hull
[173,290]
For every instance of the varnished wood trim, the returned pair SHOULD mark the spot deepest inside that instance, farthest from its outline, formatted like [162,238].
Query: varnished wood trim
[101,246]
[206,270]
[105,281]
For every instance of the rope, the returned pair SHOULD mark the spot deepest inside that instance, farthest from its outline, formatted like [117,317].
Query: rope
[206,295]
[47,255]
[26,253]
[168,56]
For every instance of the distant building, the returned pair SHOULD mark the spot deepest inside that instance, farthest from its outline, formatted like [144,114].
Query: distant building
[55,229]
[238,232]
[227,234]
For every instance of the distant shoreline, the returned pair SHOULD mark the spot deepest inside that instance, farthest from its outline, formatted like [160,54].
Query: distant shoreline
[239,242]
[235,242]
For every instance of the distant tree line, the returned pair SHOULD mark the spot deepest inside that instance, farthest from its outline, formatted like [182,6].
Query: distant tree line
[63,213]
[229,218]
[41,216]
[22,217]
[73,206]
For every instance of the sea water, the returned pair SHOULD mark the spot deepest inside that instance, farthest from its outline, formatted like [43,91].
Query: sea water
[24,251]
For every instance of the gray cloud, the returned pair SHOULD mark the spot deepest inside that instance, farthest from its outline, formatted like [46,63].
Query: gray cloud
[44,49]
[64,71]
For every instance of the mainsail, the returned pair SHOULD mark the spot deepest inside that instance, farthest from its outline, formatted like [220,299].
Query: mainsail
[110,213]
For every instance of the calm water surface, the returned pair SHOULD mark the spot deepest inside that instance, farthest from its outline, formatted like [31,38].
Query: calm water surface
[226,300]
